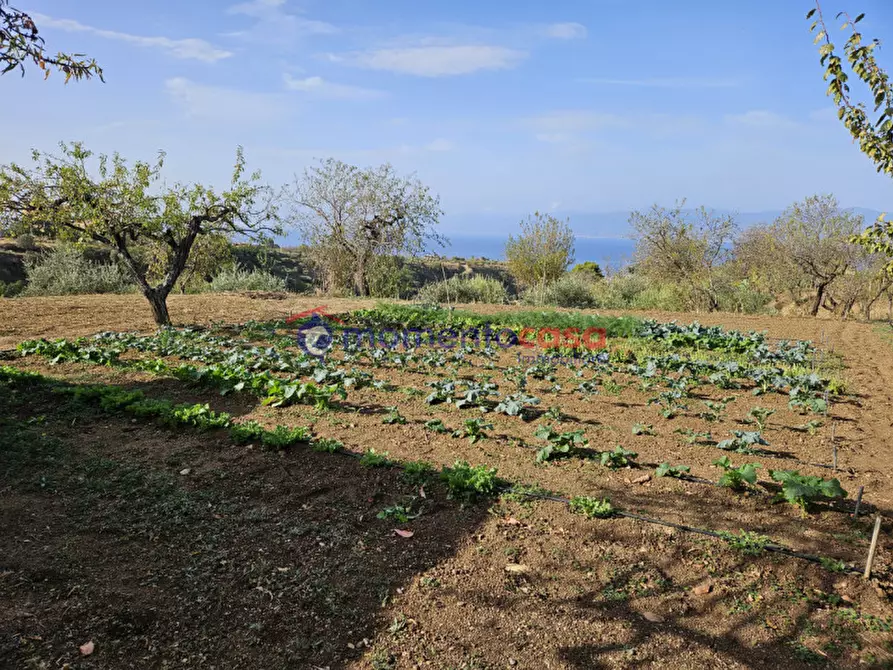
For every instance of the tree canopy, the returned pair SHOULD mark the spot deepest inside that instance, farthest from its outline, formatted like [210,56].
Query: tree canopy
[351,217]
[20,43]
[542,251]
[875,137]
[125,208]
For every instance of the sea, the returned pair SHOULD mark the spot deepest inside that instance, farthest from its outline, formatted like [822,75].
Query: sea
[608,252]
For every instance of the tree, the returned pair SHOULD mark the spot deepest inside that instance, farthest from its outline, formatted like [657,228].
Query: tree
[875,138]
[20,42]
[815,234]
[542,252]
[119,209]
[683,247]
[588,269]
[351,216]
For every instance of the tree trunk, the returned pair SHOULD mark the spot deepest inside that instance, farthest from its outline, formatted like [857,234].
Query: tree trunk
[819,298]
[158,302]
[361,286]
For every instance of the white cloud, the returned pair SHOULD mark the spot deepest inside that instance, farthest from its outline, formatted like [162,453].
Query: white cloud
[566,31]
[433,61]
[187,49]
[228,105]
[319,87]
[760,118]
[274,25]
[666,82]
[439,144]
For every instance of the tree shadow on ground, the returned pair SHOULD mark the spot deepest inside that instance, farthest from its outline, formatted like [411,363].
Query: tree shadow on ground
[166,547]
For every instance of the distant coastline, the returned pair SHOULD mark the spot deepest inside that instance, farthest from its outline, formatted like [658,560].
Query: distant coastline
[606,251]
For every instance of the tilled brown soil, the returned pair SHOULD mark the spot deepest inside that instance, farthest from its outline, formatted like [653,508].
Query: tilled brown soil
[516,585]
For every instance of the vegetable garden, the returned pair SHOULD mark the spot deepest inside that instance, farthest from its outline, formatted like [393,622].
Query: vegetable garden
[716,433]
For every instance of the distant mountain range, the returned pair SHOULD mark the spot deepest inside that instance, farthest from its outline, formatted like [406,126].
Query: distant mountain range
[594,224]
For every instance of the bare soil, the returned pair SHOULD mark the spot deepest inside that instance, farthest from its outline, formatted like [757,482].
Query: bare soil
[177,549]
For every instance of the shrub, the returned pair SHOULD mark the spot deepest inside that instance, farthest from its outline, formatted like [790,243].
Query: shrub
[11,289]
[26,242]
[65,271]
[588,269]
[237,278]
[465,289]
[571,290]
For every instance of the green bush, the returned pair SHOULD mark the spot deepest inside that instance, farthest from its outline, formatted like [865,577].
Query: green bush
[11,289]
[390,277]
[465,289]
[65,271]
[571,290]
[26,242]
[237,278]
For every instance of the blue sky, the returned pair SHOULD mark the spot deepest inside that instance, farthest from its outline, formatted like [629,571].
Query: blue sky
[501,107]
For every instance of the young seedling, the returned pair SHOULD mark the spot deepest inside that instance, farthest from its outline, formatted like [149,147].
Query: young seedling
[746,542]
[373,459]
[466,483]
[394,417]
[398,513]
[436,425]
[812,426]
[473,429]
[743,442]
[675,471]
[619,458]
[326,444]
[559,444]
[417,473]
[516,404]
[554,413]
[643,429]
[736,478]
[591,508]
[760,415]
[692,437]
[802,490]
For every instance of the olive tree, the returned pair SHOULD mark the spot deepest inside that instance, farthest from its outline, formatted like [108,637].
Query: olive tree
[543,250]
[20,42]
[126,209]
[352,217]
[815,235]
[875,137]
[685,247]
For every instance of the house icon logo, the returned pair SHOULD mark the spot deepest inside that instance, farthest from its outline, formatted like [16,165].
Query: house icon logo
[314,335]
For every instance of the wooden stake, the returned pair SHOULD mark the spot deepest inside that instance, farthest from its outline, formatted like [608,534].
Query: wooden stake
[833,448]
[858,501]
[873,548]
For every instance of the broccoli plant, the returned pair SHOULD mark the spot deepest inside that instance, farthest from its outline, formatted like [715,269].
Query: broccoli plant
[803,399]
[715,409]
[554,413]
[516,404]
[558,444]
[444,390]
[473,429]
[760,415]
[475,394]
[736,478]
[619,458]
[743,442]
[675,471]
[801,490]
[437,426]
[812,426]
[394,416]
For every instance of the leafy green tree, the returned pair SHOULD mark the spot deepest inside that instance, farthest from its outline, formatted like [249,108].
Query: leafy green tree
[542,252]
[683,247]
[126,209]
[815,235]
[349,217]
[875,138]
[589,270]
[20,42]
